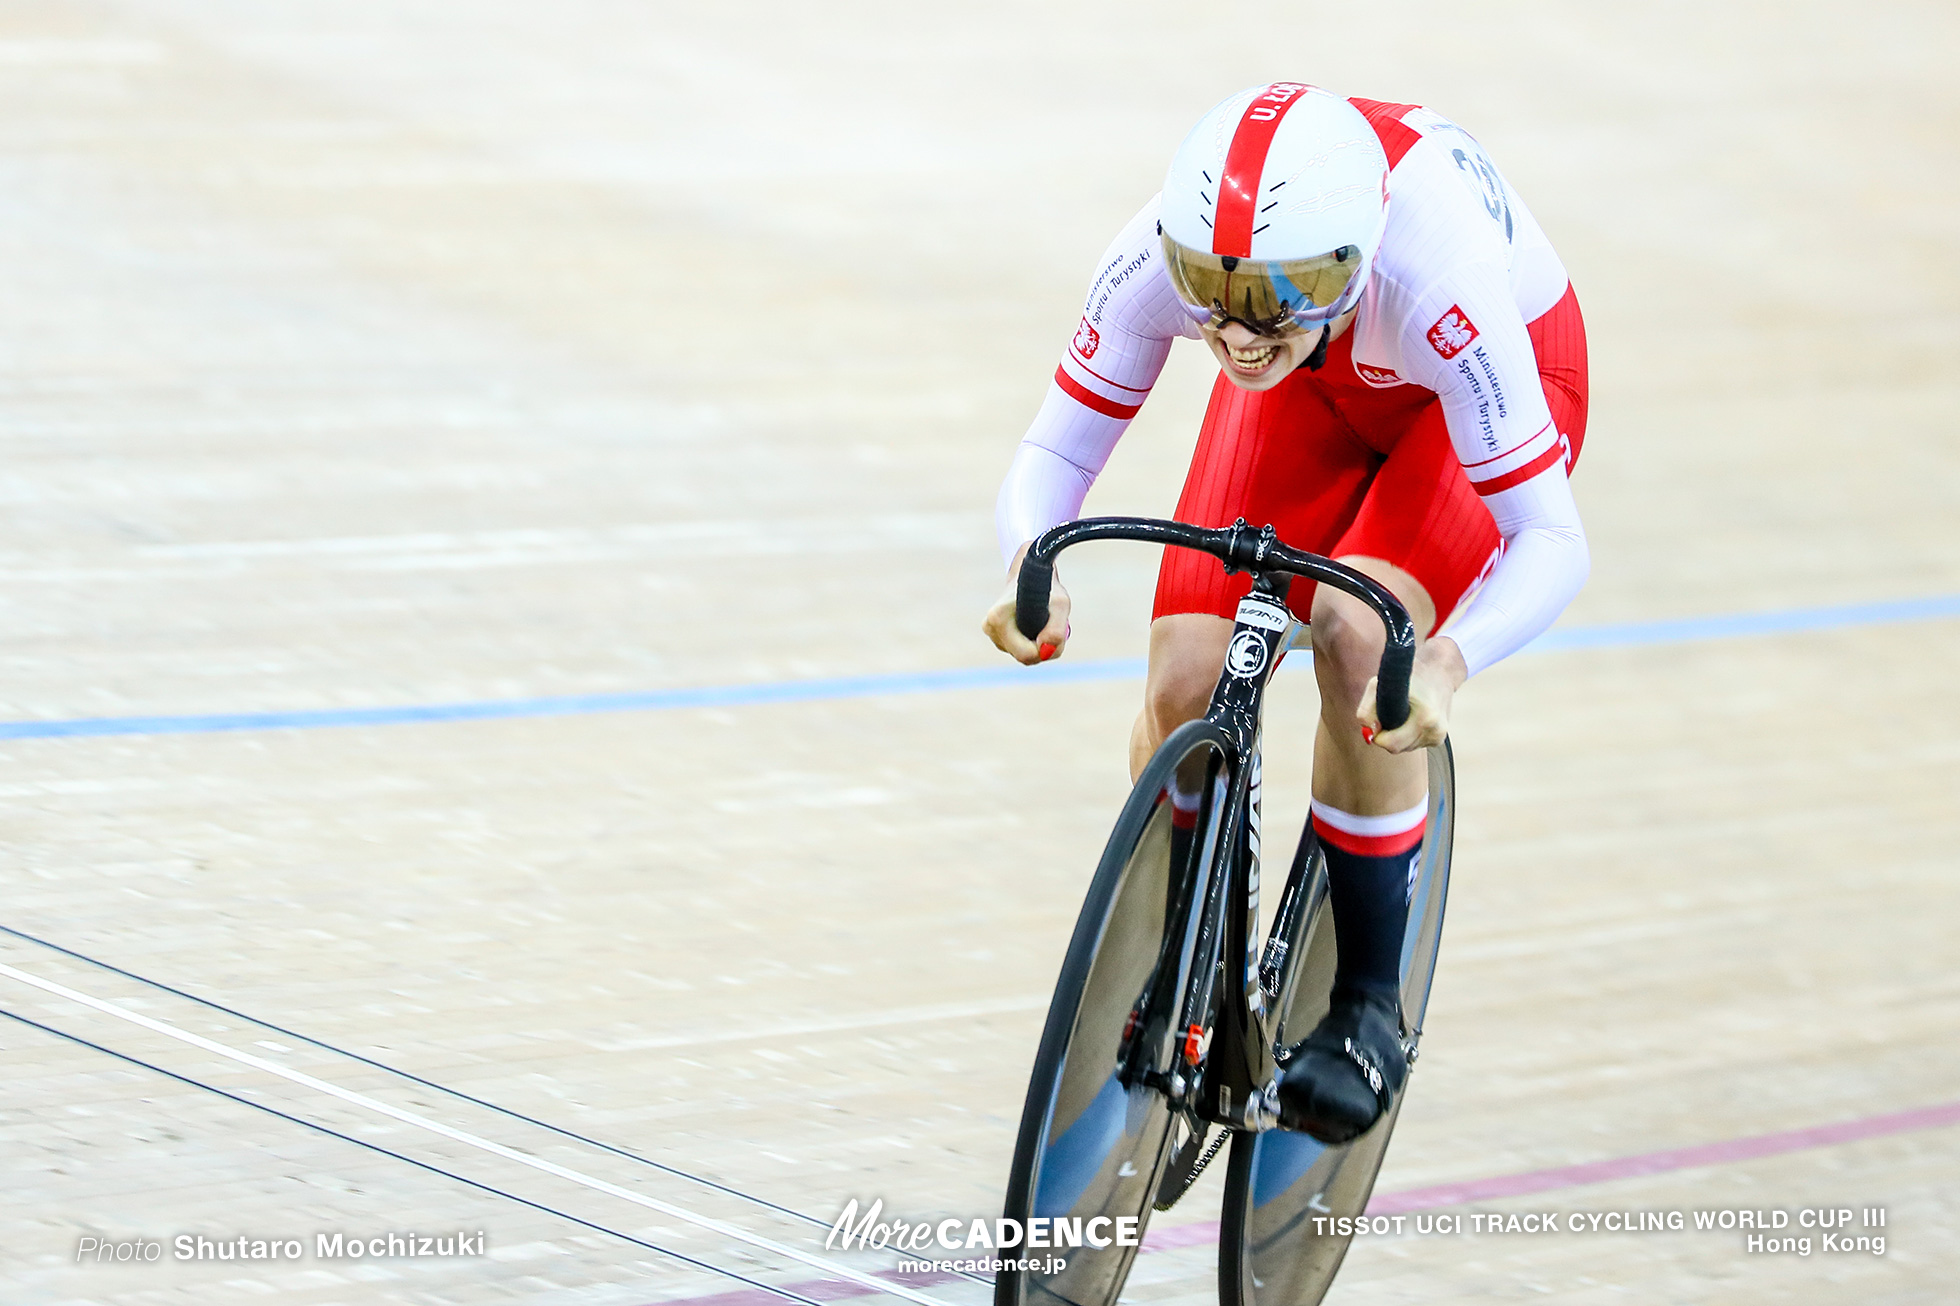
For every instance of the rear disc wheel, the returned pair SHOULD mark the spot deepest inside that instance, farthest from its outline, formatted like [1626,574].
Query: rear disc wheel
[1277,1183]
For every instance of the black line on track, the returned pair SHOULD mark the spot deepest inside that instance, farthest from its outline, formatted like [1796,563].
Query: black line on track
[424,1165]
[426,1083]
[430,1083]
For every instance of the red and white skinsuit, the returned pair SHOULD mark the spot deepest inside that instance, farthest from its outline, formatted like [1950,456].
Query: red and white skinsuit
[1437,436]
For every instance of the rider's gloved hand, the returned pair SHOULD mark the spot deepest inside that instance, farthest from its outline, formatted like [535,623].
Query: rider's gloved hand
[1433,683]
[1001,629]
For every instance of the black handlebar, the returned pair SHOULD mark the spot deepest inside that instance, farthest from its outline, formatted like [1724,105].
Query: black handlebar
[1240,548]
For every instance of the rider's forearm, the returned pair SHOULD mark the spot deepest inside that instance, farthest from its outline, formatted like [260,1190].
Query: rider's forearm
[1042,489]
[1544,566]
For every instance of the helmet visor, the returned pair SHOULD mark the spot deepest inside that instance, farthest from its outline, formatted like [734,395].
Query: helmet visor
[1265,294]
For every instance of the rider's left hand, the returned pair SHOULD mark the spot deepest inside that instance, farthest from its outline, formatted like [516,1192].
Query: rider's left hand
[1439,669]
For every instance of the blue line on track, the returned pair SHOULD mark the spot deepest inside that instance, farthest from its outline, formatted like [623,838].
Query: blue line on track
[1636,634]
[1685,630]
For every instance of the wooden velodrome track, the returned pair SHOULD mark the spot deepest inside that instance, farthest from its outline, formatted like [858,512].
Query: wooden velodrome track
[381,355]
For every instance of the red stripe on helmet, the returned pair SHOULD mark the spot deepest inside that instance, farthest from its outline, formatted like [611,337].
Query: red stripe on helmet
[1396,136]
[1245,162]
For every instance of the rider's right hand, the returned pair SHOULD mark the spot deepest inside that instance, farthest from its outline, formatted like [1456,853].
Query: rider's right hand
[1008,638]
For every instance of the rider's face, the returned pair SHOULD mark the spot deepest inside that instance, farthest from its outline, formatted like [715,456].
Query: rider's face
[1255,361]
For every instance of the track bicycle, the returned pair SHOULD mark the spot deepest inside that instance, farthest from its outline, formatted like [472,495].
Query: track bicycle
[1170,1018]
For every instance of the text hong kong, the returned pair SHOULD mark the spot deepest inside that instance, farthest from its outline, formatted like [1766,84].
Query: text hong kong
[870,1231]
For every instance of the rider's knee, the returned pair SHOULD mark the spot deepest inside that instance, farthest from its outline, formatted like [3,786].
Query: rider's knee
[1184,667]
[1347,648]
[1179,695]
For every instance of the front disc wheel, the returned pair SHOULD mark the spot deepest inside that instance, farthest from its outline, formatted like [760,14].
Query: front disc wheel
[1092,1147]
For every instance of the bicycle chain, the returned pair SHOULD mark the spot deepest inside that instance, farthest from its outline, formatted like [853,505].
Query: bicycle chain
[1164,1203]
[1224,1137]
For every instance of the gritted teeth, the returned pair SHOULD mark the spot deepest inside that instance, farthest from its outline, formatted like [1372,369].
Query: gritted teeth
[1252,359]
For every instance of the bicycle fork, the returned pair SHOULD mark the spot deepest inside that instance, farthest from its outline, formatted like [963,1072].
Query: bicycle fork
[1222,1067]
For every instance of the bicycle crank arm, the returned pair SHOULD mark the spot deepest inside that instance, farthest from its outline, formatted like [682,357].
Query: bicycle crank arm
[1254,1112]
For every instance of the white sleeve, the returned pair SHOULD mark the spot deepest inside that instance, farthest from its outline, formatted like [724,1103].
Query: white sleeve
[1044,486]
[1544,564]
[1115,357]
[1467,341]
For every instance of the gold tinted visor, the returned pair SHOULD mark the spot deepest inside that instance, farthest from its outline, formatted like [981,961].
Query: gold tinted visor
[1263,294]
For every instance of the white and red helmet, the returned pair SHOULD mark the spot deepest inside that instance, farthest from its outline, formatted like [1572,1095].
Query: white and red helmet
[1274,208]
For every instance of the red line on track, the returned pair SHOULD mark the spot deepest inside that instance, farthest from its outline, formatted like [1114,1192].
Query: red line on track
[1456,1194]
[1625,1167]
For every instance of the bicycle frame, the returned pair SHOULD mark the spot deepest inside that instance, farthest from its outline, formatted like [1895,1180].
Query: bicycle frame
[1224,1070]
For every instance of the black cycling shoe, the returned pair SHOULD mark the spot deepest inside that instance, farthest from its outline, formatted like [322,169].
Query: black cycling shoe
[1346,1074]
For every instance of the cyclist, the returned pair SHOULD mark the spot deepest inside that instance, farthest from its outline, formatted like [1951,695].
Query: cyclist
[1402,387]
